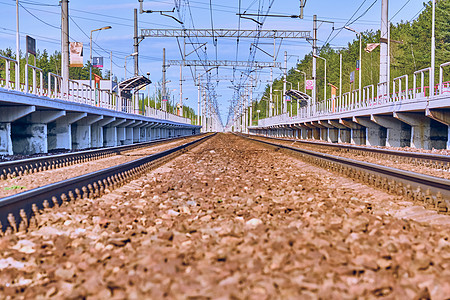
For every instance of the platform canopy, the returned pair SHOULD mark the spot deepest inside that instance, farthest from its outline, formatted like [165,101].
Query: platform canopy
[302,97]
[134,83]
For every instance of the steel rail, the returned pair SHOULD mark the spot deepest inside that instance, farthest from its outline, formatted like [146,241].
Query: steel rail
[37,164]
[19,208]
[415,155]
[434,191]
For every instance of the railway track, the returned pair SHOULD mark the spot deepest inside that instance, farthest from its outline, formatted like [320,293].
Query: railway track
[416,159]
[16,210]
[231,218]
[22,167]
[432,192]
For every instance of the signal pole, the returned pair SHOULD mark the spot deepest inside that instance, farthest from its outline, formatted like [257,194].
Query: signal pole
[384,67]
[433,47]
[136,44]
[314,61]
[163,93]
[65,46]
[17,48]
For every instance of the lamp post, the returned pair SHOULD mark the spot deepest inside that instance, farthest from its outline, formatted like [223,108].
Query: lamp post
[360,58]
[148,95]
[281,98]
[291,99]
[268,106]
[325,79]
[275,105]
[303,74]
[90,56]
[132,54]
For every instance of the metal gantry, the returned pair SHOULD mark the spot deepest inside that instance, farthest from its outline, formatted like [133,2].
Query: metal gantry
[224,63]
[208,103]
[233,33]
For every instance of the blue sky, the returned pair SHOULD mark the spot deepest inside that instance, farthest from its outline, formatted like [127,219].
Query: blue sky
[41,20]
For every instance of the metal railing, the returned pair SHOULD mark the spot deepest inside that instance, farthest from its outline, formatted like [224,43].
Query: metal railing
[421,91]
[349,101]
[34,88]
[76,91]
[400,94]
[382,92]
[56,84]
[368,96]
[444,87]
[8,83]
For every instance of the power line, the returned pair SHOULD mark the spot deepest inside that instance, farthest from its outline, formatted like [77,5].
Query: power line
[415,16]
[38,17]
[400,10]
[346,23]
[364,13]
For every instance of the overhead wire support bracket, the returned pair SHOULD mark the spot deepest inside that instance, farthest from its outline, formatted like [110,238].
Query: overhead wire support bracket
[201,45]
[246,16]
[262,50]
[161,12]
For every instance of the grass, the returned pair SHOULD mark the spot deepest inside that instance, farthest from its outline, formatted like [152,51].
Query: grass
[15,187]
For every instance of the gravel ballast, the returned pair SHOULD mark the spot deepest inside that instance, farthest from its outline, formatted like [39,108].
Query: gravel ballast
[230,219]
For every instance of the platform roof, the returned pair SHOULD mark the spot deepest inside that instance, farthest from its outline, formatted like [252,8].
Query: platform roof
[302,97]
[136,83]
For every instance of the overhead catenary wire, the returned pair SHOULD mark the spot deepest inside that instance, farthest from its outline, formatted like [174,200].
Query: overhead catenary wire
[346,23]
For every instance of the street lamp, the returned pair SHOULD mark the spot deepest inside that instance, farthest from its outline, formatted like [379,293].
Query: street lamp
[360,58]
[148,95]
[132,54]
[281,99]
[325,80]
[258,111]
[90,56]
[289,83]
[268,106]
[286,97]
[303,74]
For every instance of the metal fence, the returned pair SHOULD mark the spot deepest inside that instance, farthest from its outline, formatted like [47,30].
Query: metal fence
[76,92]
[351,101]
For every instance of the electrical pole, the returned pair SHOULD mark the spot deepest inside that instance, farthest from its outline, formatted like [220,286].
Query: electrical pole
[340,75]
[198,104]
[17,85]
[384,67]
[314,61]
[163,92]
[136,44]
[284,103]
[65,46]
[110,75]
[181,90]
[251,105]
[433,47]
[271,91]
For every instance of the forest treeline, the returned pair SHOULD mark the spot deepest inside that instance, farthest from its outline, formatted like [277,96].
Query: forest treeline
[414,53]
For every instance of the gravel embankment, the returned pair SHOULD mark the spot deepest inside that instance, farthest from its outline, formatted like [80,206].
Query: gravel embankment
[230,220]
